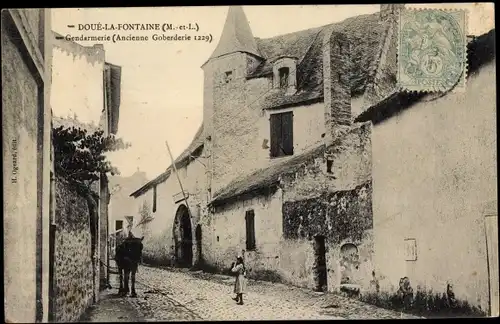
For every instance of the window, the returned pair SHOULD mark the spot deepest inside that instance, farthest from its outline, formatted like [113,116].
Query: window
[154,199]
[284,72]
[281,134]
[228,76]
[410,249]
[118,225]
[329,162]
[130,222]
[250,226]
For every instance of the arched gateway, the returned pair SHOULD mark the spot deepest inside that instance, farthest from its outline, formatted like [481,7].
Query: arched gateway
[183,237]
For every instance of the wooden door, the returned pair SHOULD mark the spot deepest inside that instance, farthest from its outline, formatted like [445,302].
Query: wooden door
[491,227]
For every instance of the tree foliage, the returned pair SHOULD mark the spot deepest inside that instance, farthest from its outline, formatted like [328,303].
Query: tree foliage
[79,156]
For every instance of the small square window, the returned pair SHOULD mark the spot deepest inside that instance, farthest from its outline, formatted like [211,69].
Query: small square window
[329,164]
[118,225]
[228,76]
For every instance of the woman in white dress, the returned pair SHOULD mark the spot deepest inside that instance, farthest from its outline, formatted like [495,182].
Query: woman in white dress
[240,285]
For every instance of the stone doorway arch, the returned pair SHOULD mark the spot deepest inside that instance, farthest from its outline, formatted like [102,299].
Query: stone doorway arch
[183,237]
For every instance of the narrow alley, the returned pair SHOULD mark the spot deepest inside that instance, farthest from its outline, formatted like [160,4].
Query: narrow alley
[182,295]
[250,163]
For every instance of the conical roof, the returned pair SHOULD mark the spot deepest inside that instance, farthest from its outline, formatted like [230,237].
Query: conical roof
[236,35]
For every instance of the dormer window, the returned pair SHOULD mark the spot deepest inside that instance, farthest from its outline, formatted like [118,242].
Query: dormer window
[284,74]
[228,76]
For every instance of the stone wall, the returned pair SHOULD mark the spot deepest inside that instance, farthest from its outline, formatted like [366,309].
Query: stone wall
[311,202]
[239,129]
[351,167]
[103,231]
[73,254]
[232,121]
[284,233]
[335,205]
[344,219]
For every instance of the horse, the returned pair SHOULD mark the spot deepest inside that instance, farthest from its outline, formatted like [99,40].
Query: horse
[128,257]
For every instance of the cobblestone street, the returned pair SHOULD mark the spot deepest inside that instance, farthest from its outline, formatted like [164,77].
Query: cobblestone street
[181,295]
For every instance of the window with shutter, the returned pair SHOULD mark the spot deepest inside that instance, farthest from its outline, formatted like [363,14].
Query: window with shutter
[287,132]
[250,230]
[281,134]
[275,122]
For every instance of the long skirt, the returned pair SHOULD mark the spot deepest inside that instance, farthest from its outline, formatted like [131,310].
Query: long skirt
[240,285]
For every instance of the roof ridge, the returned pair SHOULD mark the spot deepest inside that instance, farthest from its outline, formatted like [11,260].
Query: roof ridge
[294,32]
[319,27]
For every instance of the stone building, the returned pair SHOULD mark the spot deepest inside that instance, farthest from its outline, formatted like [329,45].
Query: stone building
[279,170]
[435,192]
[163,198]
[26,115]
[86,95]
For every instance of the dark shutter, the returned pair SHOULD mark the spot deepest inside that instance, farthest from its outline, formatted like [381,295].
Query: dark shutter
[118,225]
[250,230]
[276,135]
[287,133]
[281,134]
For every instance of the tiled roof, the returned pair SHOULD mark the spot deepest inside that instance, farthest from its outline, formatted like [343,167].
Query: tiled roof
[270,176]
[236,35]
[365,34]
[481,50]
[265,177]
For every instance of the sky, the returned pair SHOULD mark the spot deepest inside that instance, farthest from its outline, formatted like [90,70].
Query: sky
[162,82]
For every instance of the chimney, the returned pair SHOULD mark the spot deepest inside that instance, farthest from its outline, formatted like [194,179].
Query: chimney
[337,85]
[390,11]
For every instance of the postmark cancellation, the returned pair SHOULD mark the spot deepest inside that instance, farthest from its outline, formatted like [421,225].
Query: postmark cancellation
[432,50]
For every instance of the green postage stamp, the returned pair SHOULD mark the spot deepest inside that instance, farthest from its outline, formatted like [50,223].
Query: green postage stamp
[432,50]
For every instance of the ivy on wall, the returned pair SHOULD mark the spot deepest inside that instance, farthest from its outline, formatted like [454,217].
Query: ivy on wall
[79,156]
[337,216]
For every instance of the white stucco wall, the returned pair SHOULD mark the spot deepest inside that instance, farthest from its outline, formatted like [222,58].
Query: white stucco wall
[26,172]
[308,126]
[159,235]
[77,81]
[434,169]
[229,226]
